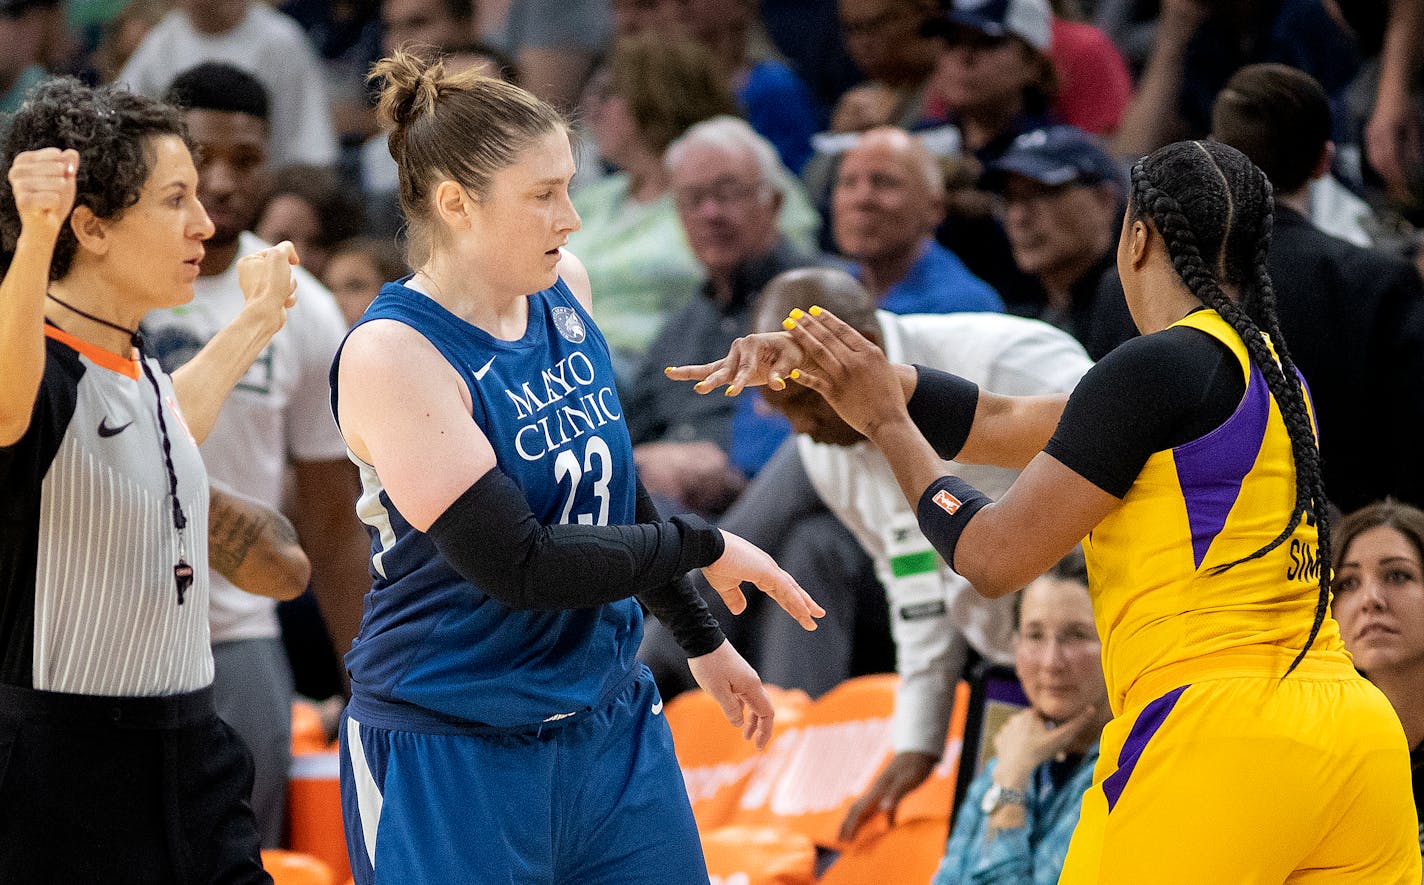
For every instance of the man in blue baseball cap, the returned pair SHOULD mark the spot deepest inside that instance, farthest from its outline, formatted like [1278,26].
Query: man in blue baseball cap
[1062,202]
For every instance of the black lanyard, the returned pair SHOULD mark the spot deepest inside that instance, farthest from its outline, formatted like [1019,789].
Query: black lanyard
[182,571]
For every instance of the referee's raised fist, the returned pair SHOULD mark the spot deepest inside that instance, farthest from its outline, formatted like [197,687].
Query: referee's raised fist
[267,283]
[42,183]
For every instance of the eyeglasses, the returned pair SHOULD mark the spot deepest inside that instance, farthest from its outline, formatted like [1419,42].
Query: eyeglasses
[725,192]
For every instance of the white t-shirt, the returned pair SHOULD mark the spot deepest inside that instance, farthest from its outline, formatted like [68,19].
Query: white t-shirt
[930,605]
[268,45]
[279,412]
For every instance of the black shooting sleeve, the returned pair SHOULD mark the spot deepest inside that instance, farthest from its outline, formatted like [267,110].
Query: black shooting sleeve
[490,536]
[677,603]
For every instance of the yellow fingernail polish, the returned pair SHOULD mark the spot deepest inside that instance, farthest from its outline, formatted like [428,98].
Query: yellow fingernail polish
[795,373]
[788,324]
[815,310]
[730,391]
[796,313]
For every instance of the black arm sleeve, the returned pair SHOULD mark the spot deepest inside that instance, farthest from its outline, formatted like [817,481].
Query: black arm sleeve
[492,539]
[942,407]
[1148,395]
[677,603]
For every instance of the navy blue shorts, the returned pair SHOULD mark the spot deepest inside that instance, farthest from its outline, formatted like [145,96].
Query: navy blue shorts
[599,799]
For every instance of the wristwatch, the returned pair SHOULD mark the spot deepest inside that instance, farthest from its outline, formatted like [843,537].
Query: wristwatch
[997,797]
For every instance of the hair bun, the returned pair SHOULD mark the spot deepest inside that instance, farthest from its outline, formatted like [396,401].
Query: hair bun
[409,88]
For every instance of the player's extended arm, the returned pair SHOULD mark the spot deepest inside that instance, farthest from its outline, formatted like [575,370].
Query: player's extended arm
[997,546]
[961,421]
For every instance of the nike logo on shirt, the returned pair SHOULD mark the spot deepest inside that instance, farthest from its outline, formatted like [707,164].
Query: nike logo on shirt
[106,431]
[657,708]
[480,373]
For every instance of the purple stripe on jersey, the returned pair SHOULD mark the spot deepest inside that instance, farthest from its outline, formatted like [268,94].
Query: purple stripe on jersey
[1148,721]
[1211,469]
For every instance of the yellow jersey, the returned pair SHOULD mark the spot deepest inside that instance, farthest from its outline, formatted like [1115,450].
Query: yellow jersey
[1157,599]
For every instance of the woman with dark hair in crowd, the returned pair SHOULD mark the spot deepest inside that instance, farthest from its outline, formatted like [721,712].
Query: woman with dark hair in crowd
[1245,747]
[113,764]
[1379,602]
[500,727]
[310,207]
[355,271]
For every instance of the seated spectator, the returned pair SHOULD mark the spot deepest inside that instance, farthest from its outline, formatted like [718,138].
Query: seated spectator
[1379,602]
[356,270]
[1094,85]
[426,26]
[633,246]
[120,36]
[726,185]
[774,99]
[884,40]
[888,198]
[260,40]
[22,33]
[1015,822]
[310,206]
[555,43]
[994,81]
[1063,202]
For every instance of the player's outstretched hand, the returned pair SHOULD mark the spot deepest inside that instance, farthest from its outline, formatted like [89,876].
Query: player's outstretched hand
[744,561]
[732,682]
[906,771]
[848,370]
[43,185]
[765,358]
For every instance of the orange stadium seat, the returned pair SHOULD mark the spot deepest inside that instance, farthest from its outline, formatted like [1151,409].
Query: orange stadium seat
[308,735]
[759,856]
[295,868]
[715,759]
[811,774]
[910,852]
[314,810]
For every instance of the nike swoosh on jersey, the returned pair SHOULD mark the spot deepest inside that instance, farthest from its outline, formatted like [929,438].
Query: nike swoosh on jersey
[657,708]
[480,373]
[106,431]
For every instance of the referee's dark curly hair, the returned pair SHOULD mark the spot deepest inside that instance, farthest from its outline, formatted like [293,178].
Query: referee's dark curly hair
[110,127]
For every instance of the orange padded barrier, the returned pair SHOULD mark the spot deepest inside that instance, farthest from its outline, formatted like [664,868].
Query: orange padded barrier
[314,810]
[739,855]
[295,868]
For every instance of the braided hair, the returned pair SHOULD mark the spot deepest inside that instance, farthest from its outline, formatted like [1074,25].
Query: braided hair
[1213,209]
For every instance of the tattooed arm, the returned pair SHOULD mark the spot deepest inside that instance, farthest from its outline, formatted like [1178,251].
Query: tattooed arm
[255,547]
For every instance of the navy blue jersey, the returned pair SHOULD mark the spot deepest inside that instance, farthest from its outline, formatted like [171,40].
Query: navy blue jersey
[429,638]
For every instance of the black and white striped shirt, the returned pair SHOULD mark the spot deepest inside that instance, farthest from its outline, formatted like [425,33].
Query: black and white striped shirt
[88,602]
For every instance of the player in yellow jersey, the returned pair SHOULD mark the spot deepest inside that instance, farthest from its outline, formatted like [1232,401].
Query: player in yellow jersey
[1244,748]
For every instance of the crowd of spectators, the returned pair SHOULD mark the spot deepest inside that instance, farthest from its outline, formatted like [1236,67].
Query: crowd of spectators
[950,155]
